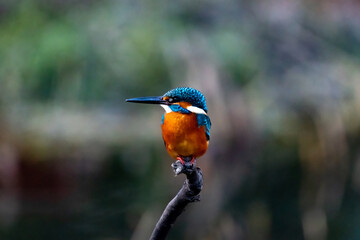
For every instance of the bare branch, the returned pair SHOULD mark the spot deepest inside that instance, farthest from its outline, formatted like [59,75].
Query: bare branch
[190,192]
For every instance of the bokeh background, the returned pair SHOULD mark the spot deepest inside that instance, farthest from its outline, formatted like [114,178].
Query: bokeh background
[282,82]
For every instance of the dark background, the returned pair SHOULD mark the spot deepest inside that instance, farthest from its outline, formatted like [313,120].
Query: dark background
[282,82]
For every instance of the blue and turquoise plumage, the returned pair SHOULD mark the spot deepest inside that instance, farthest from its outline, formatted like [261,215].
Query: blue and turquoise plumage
[190,95]
[204,120]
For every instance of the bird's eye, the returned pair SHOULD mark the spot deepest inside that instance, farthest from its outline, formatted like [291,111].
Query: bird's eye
[171,100]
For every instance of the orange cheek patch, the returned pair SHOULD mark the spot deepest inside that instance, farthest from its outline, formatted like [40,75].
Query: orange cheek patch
[184,104]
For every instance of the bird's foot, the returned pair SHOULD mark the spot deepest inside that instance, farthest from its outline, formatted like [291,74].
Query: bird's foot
[184,165]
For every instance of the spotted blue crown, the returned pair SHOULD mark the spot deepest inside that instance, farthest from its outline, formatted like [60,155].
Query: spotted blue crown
[190,95]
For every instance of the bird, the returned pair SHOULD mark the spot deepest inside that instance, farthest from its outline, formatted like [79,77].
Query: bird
[185,124]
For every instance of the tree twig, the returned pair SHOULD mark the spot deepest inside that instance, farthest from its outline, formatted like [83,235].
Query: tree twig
[190,192]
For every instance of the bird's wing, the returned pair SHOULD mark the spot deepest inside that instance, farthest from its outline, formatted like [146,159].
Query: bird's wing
[204,120]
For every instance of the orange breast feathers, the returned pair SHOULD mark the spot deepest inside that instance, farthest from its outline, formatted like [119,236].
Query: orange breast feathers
[182,136]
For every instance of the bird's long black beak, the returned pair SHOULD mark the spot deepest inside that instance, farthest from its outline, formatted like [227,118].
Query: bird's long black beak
[148,100]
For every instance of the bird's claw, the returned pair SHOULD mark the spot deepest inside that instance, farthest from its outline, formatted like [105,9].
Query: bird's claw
[183,167]
[177,167]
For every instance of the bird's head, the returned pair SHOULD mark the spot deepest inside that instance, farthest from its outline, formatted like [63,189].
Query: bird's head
[185,97]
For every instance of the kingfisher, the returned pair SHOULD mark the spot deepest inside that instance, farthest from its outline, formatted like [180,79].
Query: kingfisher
[185,124]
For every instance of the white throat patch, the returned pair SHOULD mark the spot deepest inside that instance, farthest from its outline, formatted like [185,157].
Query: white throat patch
[166,107]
